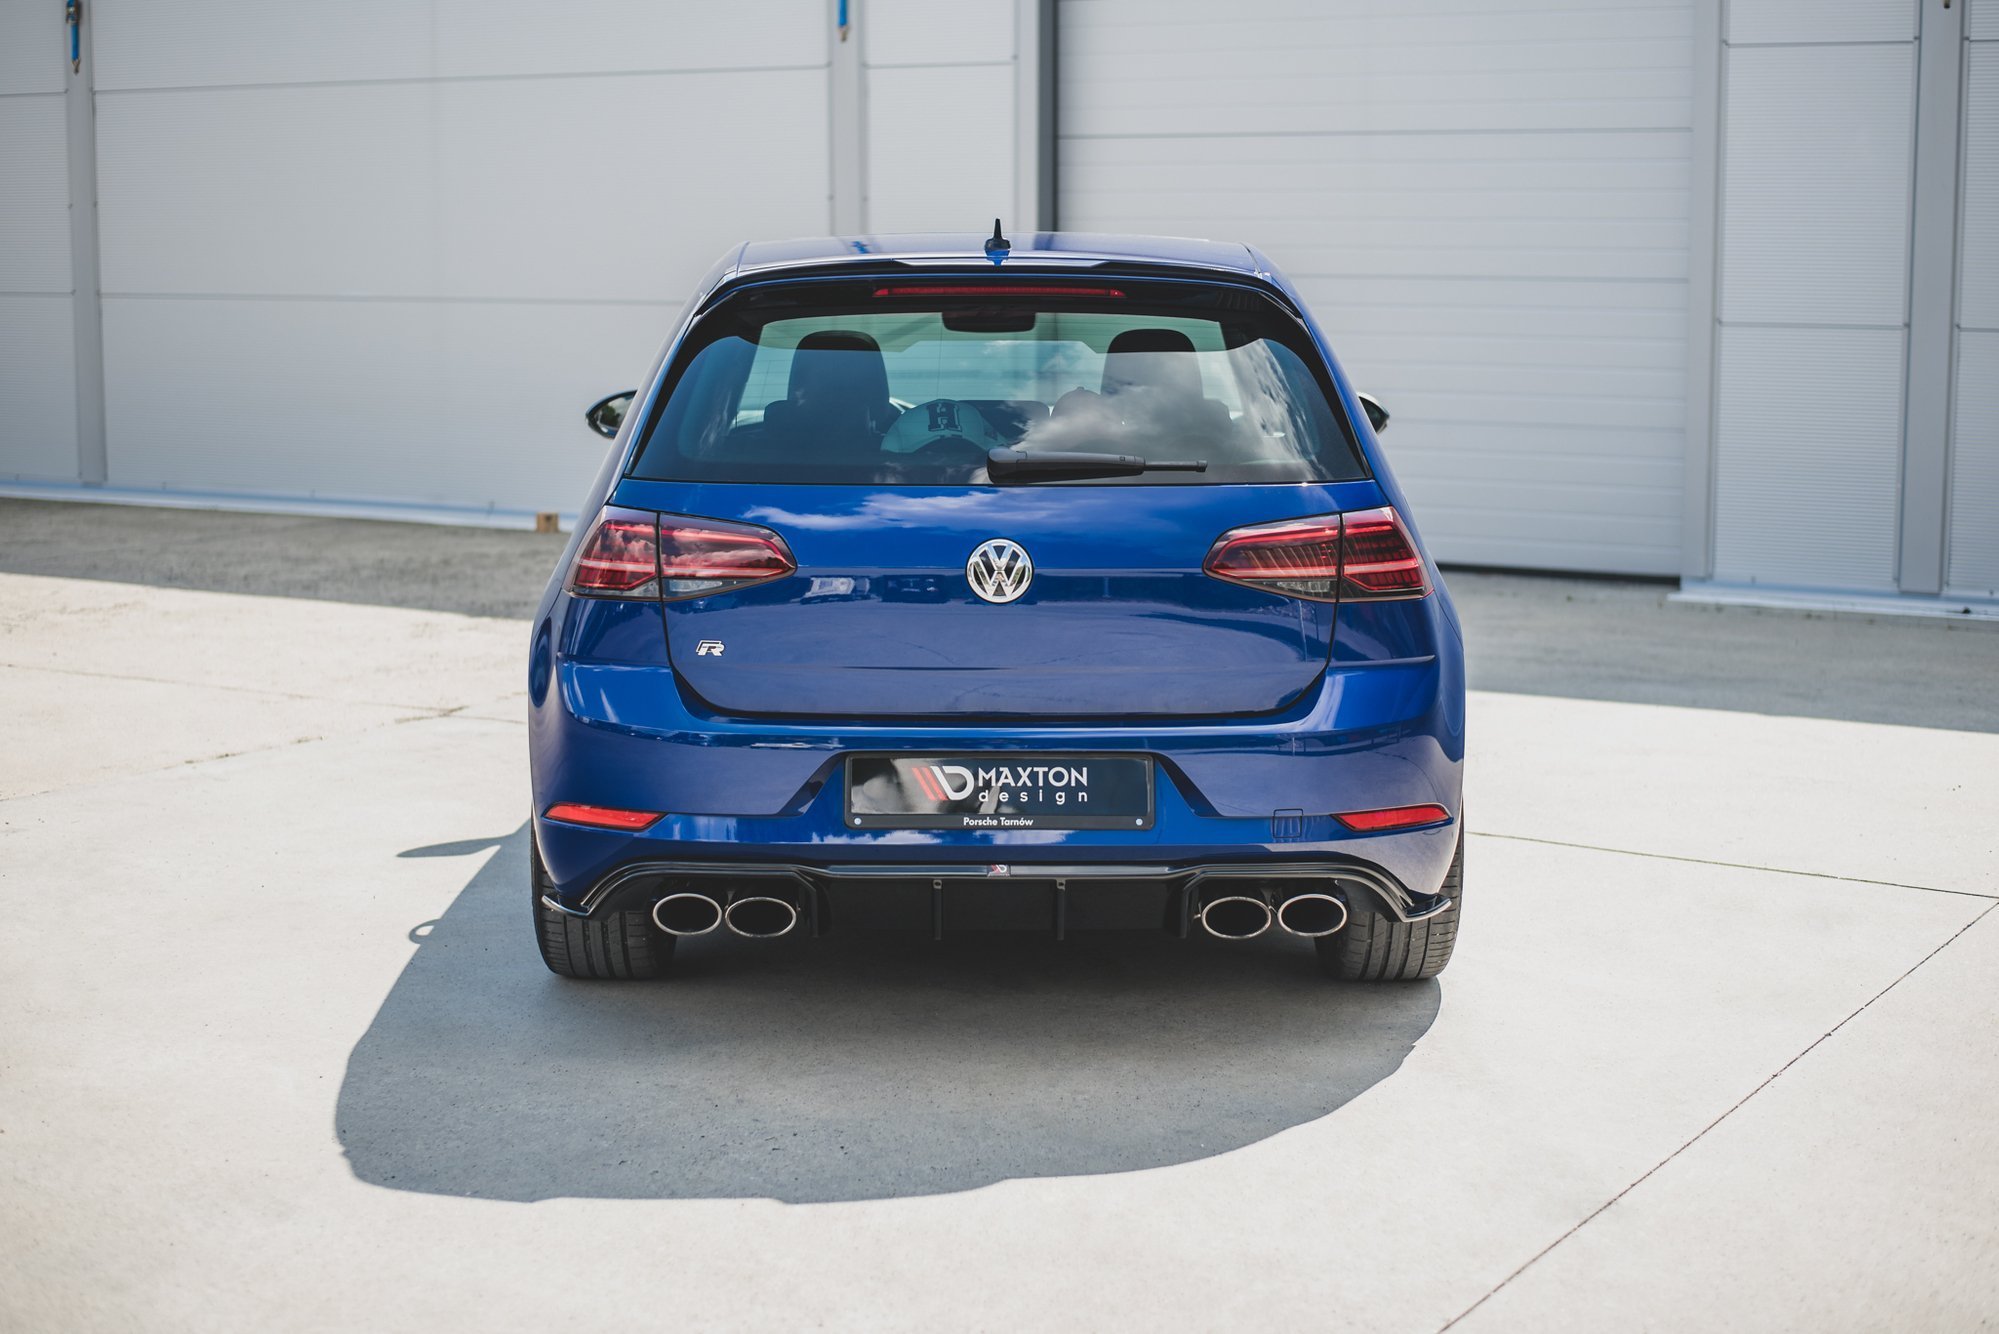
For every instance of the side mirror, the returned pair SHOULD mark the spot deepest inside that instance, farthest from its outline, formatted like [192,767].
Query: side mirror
[606,415]
[1377,416]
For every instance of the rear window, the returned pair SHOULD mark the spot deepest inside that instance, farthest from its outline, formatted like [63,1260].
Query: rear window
[910,382]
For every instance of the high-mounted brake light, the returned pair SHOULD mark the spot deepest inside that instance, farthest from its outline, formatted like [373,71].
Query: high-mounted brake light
[600,817]
[637,554]
[996,289]
[1366,555]
[1393,817]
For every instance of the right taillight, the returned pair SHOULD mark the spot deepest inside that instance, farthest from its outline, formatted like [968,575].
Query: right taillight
[637,554]
[1377,557]
[1365,555]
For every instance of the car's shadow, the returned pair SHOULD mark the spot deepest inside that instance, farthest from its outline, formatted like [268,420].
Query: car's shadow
[855,1067]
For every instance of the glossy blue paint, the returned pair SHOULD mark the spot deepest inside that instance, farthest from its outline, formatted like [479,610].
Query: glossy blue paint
[1119,619]
[1252,704]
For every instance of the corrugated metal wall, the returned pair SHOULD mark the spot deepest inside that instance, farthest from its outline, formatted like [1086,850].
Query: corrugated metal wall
[1487,204]
[1973,566]
[1817,168]
[37,336]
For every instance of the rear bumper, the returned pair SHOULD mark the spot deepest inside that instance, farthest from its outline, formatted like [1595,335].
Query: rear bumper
[1401,870]
[636,886]
[609,725]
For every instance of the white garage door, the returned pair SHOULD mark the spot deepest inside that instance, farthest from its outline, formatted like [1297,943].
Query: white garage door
[1486,203]
[389,250]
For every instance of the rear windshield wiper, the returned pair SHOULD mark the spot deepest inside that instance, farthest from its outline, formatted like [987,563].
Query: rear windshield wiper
[1006,464]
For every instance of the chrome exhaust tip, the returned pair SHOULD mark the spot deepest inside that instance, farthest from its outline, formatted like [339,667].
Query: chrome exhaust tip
[1312,915]
[761,916]
[1234,917]
[687,914]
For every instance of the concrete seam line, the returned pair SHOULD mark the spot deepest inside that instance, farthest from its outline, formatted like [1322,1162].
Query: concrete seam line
[1602,1208]
[1735,866]
[233,689]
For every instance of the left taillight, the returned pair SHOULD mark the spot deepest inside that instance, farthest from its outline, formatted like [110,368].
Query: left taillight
[698,557]
[636,554]
[619,558]
[1364,555]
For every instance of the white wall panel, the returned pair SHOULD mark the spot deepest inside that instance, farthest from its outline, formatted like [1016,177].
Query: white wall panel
[34,194]
[1972,561]
[1821,20]
[1974,479]
[1817,163]
[1808,449]
[1487,205]
[1981,21]
[551,188]
[37,340]
[940,148]
[206,43]
[34,47]
[934,32]
[461,403]
[1978,243]
[37,388]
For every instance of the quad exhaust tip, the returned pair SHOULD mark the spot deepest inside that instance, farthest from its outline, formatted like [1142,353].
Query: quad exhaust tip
[761,916]
[1235,917]
[1246,916]
[687,914]
[1312,915]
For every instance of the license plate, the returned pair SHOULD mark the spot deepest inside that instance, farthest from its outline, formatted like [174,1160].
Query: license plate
[999,792]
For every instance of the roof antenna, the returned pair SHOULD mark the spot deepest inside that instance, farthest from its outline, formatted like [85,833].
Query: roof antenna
[997,245]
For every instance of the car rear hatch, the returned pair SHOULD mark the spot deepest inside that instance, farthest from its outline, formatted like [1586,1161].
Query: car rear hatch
[1105,429]
[880,619]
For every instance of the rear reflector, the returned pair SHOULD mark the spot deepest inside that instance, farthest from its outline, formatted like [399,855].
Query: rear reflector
[1393,817]
[636,554]
[1366,555]
[620,557]
[996,289]
[600,817]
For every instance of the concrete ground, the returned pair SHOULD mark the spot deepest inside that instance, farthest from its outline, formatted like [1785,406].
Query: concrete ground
[1719,1050]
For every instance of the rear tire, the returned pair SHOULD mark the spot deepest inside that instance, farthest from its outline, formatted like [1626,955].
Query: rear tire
[612,944]
[1374,948]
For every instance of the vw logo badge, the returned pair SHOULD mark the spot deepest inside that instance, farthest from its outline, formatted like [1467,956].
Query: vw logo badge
[1000,570]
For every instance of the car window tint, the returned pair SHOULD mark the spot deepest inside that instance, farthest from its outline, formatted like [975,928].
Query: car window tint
[915,393]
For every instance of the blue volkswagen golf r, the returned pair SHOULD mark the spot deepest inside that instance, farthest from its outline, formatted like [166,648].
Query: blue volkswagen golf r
[944,583]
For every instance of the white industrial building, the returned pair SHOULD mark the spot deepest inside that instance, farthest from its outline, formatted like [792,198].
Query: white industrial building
[1706,288]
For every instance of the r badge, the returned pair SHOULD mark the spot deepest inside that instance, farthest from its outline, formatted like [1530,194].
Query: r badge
[708,648]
